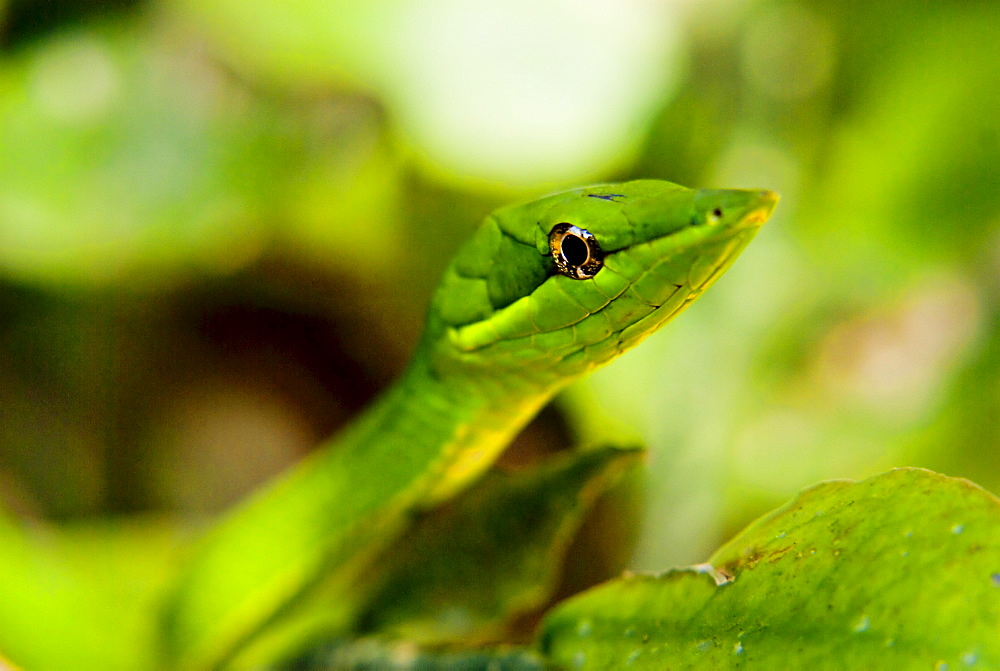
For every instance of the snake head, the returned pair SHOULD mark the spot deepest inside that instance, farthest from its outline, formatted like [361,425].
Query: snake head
[558,286]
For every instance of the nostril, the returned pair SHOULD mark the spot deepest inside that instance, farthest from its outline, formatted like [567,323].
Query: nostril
[717,213]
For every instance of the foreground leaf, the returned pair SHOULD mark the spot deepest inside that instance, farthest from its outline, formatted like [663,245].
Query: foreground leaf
[472,566]
[898,571]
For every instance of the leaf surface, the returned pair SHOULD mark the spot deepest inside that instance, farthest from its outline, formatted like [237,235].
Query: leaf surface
[898,571]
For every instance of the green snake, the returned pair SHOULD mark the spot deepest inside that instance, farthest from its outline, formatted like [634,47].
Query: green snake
[542,293]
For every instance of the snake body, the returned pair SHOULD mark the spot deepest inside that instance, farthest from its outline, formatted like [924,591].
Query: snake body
[542,293]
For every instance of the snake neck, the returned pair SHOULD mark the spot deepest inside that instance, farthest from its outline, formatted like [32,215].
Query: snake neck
[448,416]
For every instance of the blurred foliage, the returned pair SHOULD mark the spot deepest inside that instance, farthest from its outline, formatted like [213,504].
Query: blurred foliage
[220,222]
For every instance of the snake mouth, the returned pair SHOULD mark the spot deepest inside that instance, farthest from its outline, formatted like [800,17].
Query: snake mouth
[657,296]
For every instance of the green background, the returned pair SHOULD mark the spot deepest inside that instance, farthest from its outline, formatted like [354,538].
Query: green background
[220,223]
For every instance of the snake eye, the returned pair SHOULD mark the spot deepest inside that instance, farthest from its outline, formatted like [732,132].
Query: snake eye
[575,251]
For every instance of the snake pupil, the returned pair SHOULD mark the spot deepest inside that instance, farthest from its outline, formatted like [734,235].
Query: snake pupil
[574,250]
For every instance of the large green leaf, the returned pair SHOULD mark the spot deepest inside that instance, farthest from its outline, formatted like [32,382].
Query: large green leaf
[898,571]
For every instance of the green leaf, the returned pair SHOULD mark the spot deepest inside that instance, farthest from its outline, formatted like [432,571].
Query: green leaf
[898,571]
[473,565]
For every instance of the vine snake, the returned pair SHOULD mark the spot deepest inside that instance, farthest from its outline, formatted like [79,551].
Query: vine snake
[542,293]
